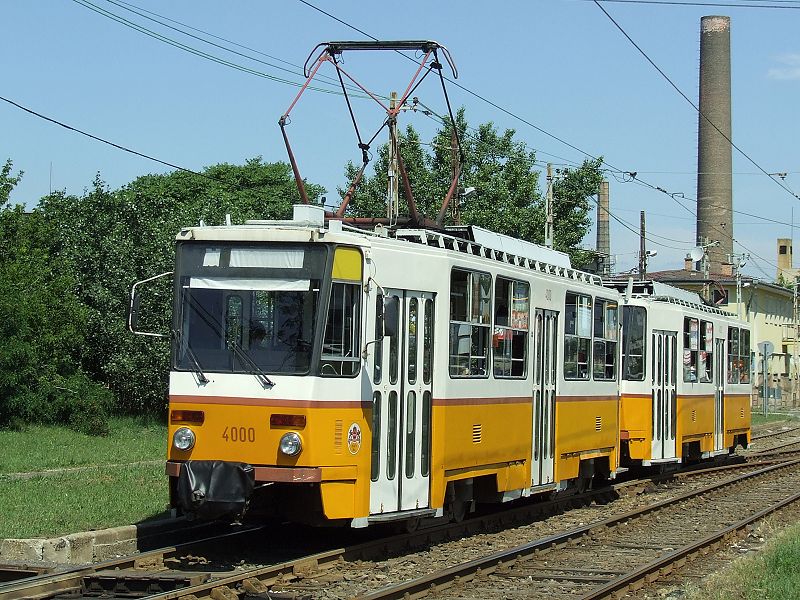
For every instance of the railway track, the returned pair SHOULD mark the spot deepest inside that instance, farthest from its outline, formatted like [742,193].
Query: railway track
[763,436]
[618,554]
[177,571]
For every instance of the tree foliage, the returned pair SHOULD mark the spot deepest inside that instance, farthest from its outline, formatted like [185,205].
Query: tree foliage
[503,171]
[42,328]
[111,239]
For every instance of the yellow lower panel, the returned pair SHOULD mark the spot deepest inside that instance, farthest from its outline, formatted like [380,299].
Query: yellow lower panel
[474,440]
[339,500]
[636,417]
[737,417]
[695,422]
[585,429]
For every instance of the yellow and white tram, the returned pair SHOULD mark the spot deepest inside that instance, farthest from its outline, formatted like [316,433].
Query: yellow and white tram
[334,375]
[685,382]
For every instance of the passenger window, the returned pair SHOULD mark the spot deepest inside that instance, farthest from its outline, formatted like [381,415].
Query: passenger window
[691,345]
[412,340]
[706,354]
[634,329]
[606,332]
[426,434]
[577,335]
[233,323]
[391,449]
[411,425]
[511,322]
[427,343]
[470,323]
[394,349]
[376,436]
[340,347]
[738,355]
[377,371]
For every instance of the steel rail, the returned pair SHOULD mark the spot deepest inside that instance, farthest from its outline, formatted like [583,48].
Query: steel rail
[663,565]
[464,572]
[49,584]
[764,436]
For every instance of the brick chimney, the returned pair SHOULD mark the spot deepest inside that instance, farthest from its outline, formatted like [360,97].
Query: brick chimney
[688,263]
[727,269]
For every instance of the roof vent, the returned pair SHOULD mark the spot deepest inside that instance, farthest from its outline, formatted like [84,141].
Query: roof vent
[310,214]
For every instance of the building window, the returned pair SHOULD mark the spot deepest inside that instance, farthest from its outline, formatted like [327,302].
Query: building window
[606,332]
[691,345]
[577,335]
[510,336]
[634,329]
[738,355]
[720,297]
[470,323]
[782,249]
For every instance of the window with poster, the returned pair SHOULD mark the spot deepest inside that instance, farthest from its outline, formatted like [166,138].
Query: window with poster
[510,335]
[691,345]
[706,353]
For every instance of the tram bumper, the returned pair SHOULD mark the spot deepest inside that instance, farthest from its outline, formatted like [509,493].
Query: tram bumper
[210,489]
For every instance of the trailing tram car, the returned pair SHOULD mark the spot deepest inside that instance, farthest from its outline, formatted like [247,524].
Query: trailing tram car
[685,383]
[340,376]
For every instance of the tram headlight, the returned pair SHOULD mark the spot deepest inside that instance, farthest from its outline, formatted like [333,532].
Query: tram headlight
[291,444]
[183,439]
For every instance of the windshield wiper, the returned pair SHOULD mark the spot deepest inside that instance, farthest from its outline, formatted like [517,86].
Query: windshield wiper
[262,378]
[201,376]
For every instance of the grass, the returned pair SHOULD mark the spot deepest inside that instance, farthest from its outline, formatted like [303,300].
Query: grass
[760,419]
[89,493]
[772,574]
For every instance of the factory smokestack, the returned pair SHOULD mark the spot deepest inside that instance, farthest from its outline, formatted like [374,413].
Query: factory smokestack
[714,156]
[603,239]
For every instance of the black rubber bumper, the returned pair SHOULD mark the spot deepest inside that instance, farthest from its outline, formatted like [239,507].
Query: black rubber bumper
[211,489]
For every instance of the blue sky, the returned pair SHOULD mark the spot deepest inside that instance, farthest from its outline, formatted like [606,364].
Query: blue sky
[560,64]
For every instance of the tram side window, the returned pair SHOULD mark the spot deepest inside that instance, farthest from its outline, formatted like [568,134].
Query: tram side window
[706,354]
[738,355]
[577,335]
[340,346]
[634,320]
[510,336]
[606,334]
[691,345]
[470,323]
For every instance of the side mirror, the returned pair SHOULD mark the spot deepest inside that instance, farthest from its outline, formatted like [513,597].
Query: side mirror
[391,316]
[133,308]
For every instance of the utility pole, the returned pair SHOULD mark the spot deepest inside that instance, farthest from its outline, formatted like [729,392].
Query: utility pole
[455,159]
[642,249]
[393,190]
[548,223]
[794,369]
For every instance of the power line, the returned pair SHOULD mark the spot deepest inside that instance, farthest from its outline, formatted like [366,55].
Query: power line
[782,6]
[125,148]
[692,104]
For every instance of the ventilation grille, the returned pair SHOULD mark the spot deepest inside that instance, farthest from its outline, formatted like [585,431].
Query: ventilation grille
[337,437]
[477,432]
[598,423]
[741,413]
[694,416]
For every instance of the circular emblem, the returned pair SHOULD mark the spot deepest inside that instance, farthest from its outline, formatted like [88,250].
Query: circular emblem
[354,438]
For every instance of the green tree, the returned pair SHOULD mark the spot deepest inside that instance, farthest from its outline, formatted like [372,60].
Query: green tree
[502,170]
[111,239]
[42,328]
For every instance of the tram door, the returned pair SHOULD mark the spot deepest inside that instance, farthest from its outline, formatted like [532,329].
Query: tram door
[664,393]
[719,394]
[544,396]
[402,399]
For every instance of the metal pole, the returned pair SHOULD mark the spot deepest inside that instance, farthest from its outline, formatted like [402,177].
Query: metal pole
[794,369]
[548,227]
[764,394]
[393,192]
[642,249]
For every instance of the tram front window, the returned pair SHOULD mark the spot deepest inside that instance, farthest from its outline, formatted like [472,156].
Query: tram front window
[248,310]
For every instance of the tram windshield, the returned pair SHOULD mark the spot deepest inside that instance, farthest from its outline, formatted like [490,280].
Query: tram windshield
[249,309]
